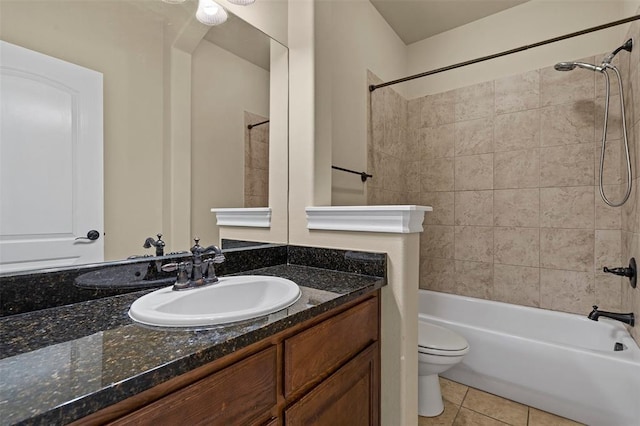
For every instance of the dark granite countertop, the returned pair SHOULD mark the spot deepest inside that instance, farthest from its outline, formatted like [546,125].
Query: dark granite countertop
[63,363]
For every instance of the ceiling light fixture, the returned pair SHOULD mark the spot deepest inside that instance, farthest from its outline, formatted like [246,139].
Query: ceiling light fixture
[210,13]
[241,2]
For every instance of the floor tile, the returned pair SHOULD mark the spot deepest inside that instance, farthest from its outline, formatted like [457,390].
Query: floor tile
[467,417]
[496,407]
[444,419]
[453,391]
[542,418]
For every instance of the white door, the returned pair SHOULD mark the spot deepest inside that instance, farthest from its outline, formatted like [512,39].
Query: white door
[51,182]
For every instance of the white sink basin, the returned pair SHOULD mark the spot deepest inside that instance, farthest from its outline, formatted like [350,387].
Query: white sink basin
[231,299]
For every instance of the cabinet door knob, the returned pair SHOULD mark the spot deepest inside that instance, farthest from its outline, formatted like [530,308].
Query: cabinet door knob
[91,235]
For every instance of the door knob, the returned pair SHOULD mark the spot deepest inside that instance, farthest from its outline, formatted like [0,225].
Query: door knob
[91,235]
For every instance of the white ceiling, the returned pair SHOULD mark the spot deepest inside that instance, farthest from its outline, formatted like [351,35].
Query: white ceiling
[415,20]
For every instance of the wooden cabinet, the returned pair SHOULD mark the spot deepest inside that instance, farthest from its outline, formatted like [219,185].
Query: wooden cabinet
[325,371]
[241,393]
[314,353]
[349,397]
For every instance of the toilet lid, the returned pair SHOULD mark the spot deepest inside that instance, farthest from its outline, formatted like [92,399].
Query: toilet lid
[434,337]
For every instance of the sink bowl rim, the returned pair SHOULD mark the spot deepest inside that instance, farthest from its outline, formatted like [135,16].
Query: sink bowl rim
[144,309]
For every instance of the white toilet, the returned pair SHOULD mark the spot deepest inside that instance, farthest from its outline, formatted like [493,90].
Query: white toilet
[438,350]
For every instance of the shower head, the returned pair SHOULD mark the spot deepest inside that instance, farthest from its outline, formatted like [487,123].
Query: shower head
[568,66]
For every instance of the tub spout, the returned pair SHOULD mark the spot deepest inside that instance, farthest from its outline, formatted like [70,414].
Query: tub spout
[625,318]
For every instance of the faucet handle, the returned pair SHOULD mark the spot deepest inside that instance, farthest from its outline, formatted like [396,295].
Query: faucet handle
[197,248]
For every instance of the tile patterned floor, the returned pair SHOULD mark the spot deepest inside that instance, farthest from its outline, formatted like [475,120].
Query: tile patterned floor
[465,406]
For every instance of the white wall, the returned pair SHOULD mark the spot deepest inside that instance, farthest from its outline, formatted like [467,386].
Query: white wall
[269,16]
[223,87]
[530,22]
[351,38]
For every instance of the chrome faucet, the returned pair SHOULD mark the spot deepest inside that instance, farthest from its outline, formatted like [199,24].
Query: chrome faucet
[625,318]
[199,272]
[159,244]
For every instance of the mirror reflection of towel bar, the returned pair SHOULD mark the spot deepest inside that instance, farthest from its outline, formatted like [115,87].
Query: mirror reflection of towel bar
[363,175]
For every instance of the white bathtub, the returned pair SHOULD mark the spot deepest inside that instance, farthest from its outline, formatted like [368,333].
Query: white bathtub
[557,362]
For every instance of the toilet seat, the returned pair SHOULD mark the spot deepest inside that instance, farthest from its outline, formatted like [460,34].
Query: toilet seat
[436,340]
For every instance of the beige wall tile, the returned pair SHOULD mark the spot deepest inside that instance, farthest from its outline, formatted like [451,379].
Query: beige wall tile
[499,408]
[392,142]
[562,87]
[437,274]
[571,165]
[437,175]
[516,207]
[474,279]
[629,210]
[474,136]
[414,110]
[517,93]
[542,418]
[609,292]
[375,166]
[567,291]
[517,246]
[474,208]
[392,174]
[437,142]
[608,249]
[568,249]
[438,109]
[442,204]
[518,130]
[474,101]
[374,197]
[474,243]
[568,207]
[411,176]
[474,172]
[516,284]
[567,124]
[612,165]
[608,217]
[517,169]
[614,124]
[437,241]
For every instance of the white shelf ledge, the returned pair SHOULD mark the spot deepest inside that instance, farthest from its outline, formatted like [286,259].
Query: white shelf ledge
[255,217]
[393,219]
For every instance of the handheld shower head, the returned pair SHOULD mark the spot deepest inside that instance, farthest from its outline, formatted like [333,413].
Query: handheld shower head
[569,66]
[565,66]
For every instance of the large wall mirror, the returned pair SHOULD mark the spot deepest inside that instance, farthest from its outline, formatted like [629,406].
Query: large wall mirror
[178,98]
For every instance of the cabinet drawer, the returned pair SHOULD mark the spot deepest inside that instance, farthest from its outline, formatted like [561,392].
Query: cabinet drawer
[239,394]
[350,396]
[315,353]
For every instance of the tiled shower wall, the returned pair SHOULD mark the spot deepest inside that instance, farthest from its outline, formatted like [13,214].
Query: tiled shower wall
[256,162]
[630,215]
[511,170]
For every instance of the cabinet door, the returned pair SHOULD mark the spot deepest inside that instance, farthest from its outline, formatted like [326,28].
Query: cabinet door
[315,353]
[241,394]
[349,397]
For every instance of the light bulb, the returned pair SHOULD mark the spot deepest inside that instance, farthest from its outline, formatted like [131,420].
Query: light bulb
[210,13]
[241,2]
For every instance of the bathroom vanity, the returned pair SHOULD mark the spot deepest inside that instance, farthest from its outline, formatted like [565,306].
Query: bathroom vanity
[324,368]
[88,363]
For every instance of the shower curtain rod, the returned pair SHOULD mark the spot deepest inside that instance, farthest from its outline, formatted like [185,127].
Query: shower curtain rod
[506,52]
[251,126]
